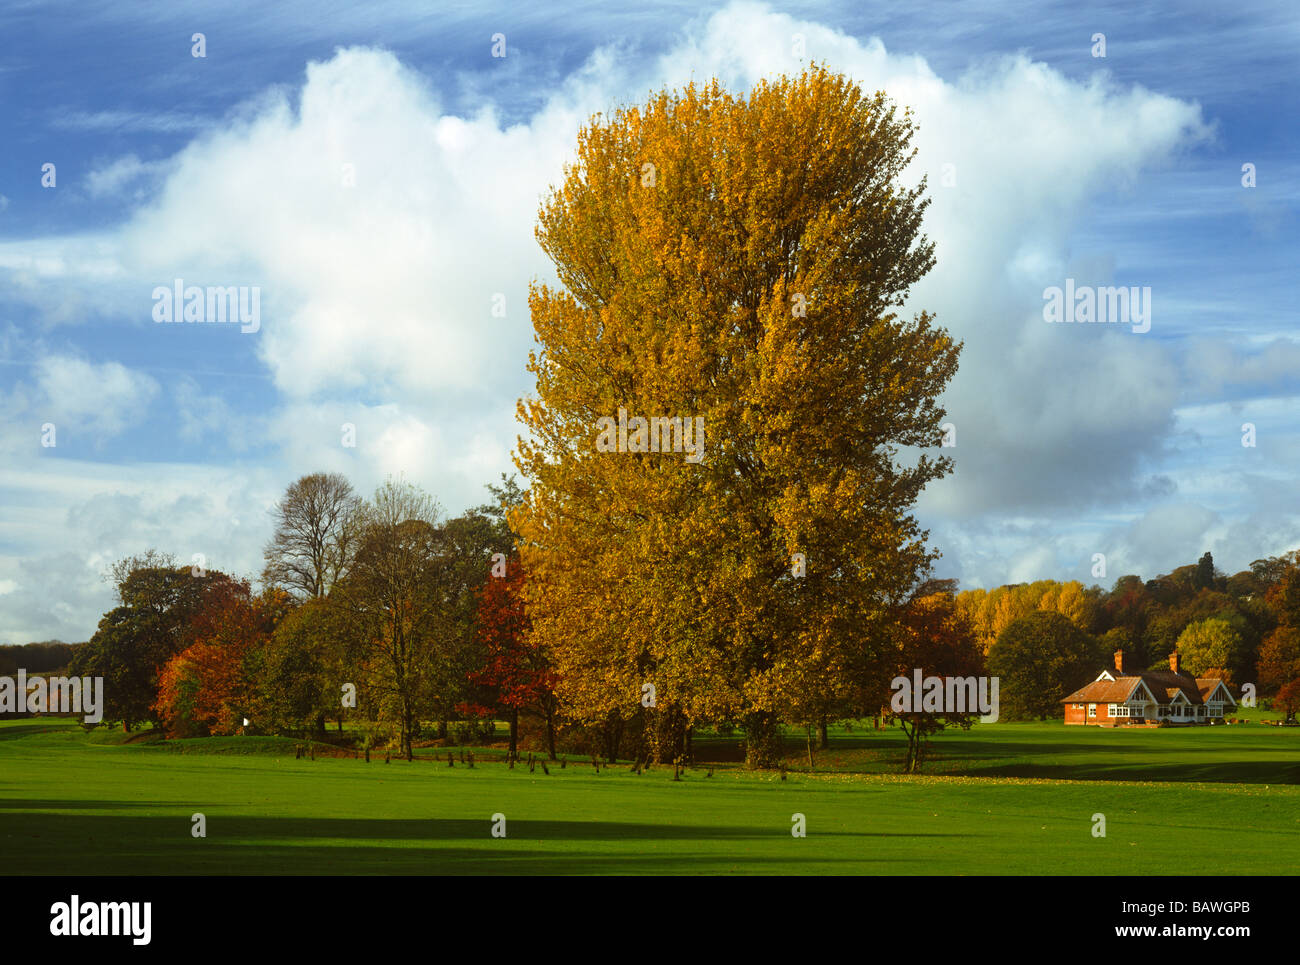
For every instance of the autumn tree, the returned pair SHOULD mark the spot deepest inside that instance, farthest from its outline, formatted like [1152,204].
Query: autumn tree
[730,267]
[1287,700]
[316,531]
[990,612]
[1279,659]
[211,686]
[516,670]
[935,637]
[159,616]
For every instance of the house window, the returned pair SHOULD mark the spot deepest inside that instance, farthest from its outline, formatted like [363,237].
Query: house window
[1092,710]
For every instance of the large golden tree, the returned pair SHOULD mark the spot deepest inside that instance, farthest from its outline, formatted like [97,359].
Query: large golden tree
[734,262]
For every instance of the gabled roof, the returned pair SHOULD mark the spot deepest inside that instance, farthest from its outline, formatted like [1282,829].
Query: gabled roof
[1164,685]
[1208,686]
[1104,690]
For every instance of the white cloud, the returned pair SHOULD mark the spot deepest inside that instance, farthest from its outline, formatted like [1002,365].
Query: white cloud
[377,295]
[101,399]
[122,173]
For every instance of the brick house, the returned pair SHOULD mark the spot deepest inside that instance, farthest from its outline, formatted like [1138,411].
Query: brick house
[1121,697]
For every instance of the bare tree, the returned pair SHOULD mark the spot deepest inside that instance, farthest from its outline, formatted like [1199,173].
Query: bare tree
[316,532]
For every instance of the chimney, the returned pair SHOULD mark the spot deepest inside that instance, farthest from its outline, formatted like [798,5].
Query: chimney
[1119,662]
[1173,662]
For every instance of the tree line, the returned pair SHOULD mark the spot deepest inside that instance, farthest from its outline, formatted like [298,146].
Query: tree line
[370,609]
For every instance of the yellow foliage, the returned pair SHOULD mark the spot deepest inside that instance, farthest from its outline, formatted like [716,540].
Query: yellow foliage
[752,283]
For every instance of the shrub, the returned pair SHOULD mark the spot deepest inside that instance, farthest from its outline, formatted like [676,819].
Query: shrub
[473,731]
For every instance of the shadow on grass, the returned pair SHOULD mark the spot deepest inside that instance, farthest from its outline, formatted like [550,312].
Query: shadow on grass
[63,804]
[19,731]
[1280,771]
[45,843]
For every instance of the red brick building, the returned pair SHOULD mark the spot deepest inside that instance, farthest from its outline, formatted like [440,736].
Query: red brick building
[1121,697]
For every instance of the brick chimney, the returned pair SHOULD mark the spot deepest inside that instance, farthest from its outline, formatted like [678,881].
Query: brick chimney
[1119,662]
[1173,662]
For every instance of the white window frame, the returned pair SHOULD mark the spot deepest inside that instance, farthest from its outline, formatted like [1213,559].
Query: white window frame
[1092,710]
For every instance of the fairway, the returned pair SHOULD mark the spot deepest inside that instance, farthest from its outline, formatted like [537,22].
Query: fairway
[73,804]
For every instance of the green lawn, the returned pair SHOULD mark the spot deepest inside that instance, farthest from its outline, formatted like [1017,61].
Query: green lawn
[1243,753]
[73,804]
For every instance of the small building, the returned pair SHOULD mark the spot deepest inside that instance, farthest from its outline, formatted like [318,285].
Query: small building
[1121,697]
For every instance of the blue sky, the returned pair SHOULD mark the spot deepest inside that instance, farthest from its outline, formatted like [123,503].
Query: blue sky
[376,295]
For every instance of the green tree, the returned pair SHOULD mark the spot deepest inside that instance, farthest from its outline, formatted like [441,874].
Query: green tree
[1040,659]
[391,596]
[1205,575]
[1209,643]
[311,655]
[124,652]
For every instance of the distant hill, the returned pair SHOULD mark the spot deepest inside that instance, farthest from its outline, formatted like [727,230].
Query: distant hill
[36,657]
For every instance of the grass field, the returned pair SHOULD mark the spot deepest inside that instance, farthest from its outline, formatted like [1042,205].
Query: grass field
[1206,801]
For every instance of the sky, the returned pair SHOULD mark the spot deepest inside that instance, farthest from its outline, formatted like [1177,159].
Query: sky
[375,172]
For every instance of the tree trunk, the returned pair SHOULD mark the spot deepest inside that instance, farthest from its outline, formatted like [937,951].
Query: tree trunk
[550,734]
[823,737]
[320,725]
[408,720]
[613,734]
[762,740]
[808,733]
[514,732]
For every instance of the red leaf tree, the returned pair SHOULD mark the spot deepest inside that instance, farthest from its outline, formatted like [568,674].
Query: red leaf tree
[515,670]
[210,686]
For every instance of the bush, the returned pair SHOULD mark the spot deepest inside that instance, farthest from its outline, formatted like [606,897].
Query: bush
[473,731]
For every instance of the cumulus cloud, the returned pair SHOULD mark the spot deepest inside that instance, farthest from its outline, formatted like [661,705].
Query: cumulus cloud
[380,227]
[66,524]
